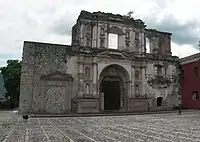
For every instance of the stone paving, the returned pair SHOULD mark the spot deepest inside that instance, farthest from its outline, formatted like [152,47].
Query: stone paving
[168,127]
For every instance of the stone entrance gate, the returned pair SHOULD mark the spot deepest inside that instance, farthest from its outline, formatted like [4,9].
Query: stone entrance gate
[114,88]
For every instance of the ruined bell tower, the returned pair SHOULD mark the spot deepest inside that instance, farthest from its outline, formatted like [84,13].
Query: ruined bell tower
[92,30]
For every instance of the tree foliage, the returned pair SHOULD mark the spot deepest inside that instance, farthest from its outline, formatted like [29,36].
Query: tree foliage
[11,75]
[2,87]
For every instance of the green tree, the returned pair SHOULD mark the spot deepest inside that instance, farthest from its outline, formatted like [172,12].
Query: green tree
[11,75]
[2,87]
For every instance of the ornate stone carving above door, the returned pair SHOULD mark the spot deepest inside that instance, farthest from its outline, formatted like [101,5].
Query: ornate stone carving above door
[57,76]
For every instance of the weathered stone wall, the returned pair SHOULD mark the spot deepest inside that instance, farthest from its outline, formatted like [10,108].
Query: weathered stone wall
[60,78]
[54,93]
[129,37]
[168,90]
[159,42]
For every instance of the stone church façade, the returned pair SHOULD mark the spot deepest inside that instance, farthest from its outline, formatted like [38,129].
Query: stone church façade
[88,77]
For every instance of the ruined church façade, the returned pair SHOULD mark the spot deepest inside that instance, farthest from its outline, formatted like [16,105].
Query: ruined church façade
[88,77]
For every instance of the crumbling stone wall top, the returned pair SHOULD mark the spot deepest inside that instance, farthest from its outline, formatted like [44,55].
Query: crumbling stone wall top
[111,18]
[154,31]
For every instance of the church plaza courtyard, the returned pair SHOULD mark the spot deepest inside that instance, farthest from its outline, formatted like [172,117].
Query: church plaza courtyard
[168,127]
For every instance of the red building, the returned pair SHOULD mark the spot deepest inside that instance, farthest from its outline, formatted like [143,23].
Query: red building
[190,82]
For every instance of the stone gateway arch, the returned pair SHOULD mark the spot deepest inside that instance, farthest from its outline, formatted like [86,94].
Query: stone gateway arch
[114,82]
[90,77]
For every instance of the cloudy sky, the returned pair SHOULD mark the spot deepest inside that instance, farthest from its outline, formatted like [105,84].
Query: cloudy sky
[51,21]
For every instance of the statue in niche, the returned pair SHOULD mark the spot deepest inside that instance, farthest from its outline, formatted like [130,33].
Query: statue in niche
[87,72]
[137,36]
[127,44]
[137,89]
[87,88]
[87,41]
[101,42]
[127,35]
[102,32]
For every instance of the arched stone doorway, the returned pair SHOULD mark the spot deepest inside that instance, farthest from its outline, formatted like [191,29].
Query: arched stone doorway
[114,88]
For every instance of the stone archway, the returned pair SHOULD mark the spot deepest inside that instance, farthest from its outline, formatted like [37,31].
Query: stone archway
[114,88]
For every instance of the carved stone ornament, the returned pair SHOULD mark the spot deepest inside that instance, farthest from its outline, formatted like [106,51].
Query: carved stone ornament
[127,44]
[127,35]
[137,36]
[102,32]
[159,82]
[102,42]
[57,76]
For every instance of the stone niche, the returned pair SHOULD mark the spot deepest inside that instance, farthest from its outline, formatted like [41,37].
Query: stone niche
[138,105]
[57,90]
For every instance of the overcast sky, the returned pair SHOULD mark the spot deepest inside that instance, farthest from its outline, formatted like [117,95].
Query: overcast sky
[51,21]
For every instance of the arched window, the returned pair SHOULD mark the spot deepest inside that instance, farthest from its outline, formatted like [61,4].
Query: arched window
[87,89]
[159,101]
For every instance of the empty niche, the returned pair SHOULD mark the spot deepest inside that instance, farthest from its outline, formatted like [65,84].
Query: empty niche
[137,75]
[87,72]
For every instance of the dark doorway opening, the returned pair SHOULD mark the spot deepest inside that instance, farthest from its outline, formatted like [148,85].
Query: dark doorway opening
[111,91]
[159,101]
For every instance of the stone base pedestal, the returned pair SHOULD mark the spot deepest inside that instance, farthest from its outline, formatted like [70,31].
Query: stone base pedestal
[87,105]
[138,105]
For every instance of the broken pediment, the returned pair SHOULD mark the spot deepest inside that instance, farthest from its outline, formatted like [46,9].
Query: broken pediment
[159,82]
[114,54]
[57,76]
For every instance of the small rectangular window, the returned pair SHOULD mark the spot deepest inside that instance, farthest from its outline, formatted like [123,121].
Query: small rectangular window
[195,95]
[196,71]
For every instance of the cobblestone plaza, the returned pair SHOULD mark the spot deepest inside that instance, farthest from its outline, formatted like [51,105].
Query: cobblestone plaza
[168,127]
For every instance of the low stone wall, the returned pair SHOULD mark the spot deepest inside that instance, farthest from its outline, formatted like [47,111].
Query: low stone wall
[87,105]
[138,105]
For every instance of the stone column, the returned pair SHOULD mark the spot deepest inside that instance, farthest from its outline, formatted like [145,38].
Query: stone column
[132,83]
[143,81]
[102,101]
[129,95]
[80,77]
[94,79]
